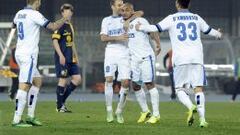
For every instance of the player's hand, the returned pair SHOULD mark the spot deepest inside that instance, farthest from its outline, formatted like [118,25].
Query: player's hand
[221,36]
[62,60]
[126,25]
[157,50]
[123,37]
[137,26]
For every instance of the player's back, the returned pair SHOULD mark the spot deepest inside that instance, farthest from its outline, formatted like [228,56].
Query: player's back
[185,33]
[28,22]
[138,43]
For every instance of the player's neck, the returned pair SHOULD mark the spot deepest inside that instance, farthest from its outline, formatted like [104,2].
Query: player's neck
[115,13]
[183,10]
[31,7]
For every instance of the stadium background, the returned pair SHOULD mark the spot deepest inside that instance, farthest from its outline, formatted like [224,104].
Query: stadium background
[87,19]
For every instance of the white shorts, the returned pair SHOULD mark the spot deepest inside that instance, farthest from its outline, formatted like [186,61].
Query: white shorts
[189,76]
[114,61]
[28,68]
[143,70]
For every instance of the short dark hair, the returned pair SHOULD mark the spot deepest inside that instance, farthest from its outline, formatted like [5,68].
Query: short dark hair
[184,3]
[66,6]
[130,5]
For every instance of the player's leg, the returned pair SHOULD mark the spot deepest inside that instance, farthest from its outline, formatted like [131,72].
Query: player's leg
[142,101]
[124,72]
[181,78]
[61,74]
[75,81]
[198,81]
[25,79]
[173,94]
[109,72]
[148,77]
[32,100]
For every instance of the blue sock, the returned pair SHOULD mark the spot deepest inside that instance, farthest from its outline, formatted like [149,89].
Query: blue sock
[60,94]
[70,87]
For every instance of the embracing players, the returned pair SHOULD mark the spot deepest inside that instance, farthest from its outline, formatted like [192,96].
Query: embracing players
[185,30]
[143,64]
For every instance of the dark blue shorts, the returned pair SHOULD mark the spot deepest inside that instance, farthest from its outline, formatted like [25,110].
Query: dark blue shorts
[67,70]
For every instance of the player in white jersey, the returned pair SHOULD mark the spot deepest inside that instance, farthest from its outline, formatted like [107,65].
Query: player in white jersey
[143,65]
[28,22]
[184,29]
[116,58]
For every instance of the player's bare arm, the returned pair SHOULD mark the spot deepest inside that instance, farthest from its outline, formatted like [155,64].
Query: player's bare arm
[156,38]
[59,52]
[106,38]
[135,15]
[56,25]
[75,52]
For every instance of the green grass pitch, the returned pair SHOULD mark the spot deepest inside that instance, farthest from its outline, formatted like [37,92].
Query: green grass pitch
[88,118]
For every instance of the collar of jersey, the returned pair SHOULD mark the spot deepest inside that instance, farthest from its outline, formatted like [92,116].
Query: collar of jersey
[183,11]
[116,16]
[28,7]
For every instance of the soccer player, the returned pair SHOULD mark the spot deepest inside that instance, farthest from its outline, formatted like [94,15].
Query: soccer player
[28,22]
[169,66]
[66,60]
[116,58]
[142,65]
[184,29]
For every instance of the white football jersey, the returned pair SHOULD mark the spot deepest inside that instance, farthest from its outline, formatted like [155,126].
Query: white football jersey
[28,22]
[138,43]
[113,26]
[185,33]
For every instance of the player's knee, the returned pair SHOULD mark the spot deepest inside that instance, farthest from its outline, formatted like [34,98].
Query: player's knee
[24,86]
[77,80]
[125,83]
[198,89]
[109,80]
[62,82]
[150,85]
[37,81]
[135,86]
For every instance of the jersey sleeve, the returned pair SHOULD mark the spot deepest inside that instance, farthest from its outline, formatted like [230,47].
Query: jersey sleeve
[143,21]
[39,19]
[204,27]
[56,35]
[104,29]
[165,24]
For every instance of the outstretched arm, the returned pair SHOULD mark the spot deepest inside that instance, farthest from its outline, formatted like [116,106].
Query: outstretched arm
[216,33]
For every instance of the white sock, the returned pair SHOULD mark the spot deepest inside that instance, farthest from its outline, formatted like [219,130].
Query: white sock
[122,99]
[184,99]
[32,100]
[21,99]
[109,95]
[142,101]
[155,101]
[200,101]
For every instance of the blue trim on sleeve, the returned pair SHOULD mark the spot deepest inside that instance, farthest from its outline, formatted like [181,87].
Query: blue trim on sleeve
[208,31]
[46,23]
[159,28]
